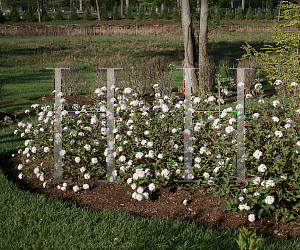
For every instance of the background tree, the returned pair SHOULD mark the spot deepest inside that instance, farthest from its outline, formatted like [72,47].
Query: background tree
[45,16]
[104,13]
[116,14]
[249,15]
[175,14]
[153,14]
[141,14]
[128,13]
[2,18]
[73,15]
[259,15]
[14,15]
[165,13]
[269,15]
[239,13]
[58,14]
[29,16]
[88,14]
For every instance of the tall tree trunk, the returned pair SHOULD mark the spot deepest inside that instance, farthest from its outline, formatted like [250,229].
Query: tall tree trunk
[98,11]
[198,5]
[232,8]
[121,9]
[39,13]
[162,7]
[71,5]
[127,4]
[279,10]
[179,3]
[205,64]
[80,5]
[243,6]
[189,44]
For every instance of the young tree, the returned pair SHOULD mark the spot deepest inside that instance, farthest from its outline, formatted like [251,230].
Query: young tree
[14,15]
[116,13]
[104,12]
[58,14]
[259,15]
[73,15]
[239,14]
[249,15]
[129,14]
[88,15]
[288,69]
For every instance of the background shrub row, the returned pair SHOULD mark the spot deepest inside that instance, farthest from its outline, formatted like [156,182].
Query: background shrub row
[218,16]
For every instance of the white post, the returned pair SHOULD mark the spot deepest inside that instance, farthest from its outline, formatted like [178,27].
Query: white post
[240,126]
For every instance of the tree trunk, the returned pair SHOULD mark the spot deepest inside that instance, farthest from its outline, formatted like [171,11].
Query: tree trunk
[98,12]
[205,75]
[71,5]
[198,5]
[162,7]
[80,5]
[279,11]
[189,44]
[127,4]
[243,6]
[121,9]
[232,11]
[179,6]
[39,13]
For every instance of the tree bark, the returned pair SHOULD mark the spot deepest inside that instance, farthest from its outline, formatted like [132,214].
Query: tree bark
[179,3]
[205,62]
[39,13]
[198,5]
[279,11]
[80,5]
[71,5]
[127,4]
[121,9]
[98,12]
[189,44]
[243,6]
[232,10]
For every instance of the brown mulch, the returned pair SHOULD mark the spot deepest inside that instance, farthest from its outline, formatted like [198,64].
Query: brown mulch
[165,202]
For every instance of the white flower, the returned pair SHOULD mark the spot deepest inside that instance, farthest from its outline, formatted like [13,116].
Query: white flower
[94,160]
[151,186]
[257,154]
[258,86]
[269,200]
[251,217]
[75,188]
[77,159]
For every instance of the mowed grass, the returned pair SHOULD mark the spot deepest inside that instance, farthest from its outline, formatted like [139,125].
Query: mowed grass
[26,79]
